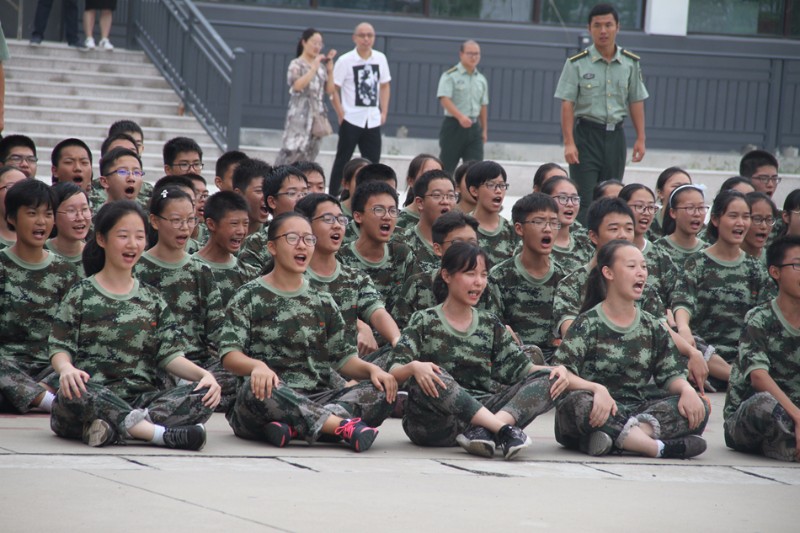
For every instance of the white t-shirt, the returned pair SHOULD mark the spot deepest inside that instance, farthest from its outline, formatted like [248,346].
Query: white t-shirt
[360,80]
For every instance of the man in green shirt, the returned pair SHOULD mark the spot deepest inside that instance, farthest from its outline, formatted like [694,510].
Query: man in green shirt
[464,95]
[598,88]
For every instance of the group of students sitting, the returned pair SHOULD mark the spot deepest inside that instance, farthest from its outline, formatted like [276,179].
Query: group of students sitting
[133,312]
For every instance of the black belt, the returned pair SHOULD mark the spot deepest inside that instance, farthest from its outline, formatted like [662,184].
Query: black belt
[598,126]
[473,119]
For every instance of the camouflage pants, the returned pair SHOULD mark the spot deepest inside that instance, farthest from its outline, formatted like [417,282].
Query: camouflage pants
[177,406]
[438,421]
[19,384]
[572,419]
[228,382]
[305,413]
[761,425]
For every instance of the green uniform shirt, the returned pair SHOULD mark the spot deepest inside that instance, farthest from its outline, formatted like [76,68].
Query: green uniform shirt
[770,343]
[423,251]
[76,260]
[718,294]
[602,91]
[573,256]
[3,47]
[678,253]
[469,92]
[254,254]
[122,340]
[661,271]
[499,244]
[415,295]
[300,335]
[29,296]
[228,276]
[623,359]
[406,219]
[482,359]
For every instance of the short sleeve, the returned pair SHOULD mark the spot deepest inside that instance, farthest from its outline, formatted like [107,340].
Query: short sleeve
[669,365]
[754,346]
[340,345]
[509,362]
[410,343]
[636,89]
[234,335]
[65,331]
[386,75]
[685,294]
[369,300]
[294,73]
[567,88]
[445,86]
[340,71]
[171,342]
[575,346]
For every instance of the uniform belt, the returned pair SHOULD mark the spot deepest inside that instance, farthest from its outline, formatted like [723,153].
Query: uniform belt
[473,119]
[599,126]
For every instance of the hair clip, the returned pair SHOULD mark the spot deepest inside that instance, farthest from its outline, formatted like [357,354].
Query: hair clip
[164,193]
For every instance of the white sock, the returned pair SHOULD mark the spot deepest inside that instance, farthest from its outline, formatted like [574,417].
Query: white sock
[158,435]
[46,404]
[660,452]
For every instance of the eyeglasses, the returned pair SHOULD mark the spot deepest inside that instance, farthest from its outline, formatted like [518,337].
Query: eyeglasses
[541,223]
[795,266]
[365,35]
[124,173]
[473,242]
[292,193]
[72,213]
[437,197]
[203,196]
[649,209]
[766,178]
[328,218]
[17,159]
[563,199]
[695,209]
[177,223]
[757,220]
[381,211]
[496,187]
[294,238]
[197,166]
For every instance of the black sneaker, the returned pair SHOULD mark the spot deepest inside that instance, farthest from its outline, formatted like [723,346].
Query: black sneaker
[477,440]
[596,443]
[684,448]
[279,434]
[357,434]
[186,437]
[99,433]
[512,440]
[36,40]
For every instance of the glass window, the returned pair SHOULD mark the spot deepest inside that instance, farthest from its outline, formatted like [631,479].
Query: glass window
[502,10]
[412,7]
[737,17]
[576,13]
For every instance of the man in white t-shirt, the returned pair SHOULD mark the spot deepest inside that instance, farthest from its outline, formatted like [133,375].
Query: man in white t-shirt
[362,77]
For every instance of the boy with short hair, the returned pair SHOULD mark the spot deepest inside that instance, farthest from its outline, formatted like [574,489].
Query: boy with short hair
[366,174]
[9,177]
[131,128]
[72,162]
[761,168]
[282,187]
[200,233]
[434,195]
[523,287]
[314,174]
[226,165]
[487,182]
[120,175]
[762,408]
[182,155]
[388,263]
[248,182]
[19,151]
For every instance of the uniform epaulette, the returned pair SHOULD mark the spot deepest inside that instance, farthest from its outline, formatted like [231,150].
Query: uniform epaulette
[579,55]
[631,55]
[455,68]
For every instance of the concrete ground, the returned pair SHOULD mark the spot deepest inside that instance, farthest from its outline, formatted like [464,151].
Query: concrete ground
[49,484]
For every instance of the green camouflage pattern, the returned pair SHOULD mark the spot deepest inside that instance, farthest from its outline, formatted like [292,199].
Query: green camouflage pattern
[300,335]
[499,244]
[76,260]
[427,259]
[661,271]
[761,425]
[579,252]
[254,254]
[718,294]
[19,387]
[406,220]
[679,254]
[415,295]
[228,277]
[190,289]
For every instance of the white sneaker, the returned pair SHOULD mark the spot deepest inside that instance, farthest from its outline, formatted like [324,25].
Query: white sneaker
[105,44]
[89,43]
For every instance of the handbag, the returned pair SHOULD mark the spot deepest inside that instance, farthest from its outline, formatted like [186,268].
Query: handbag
[321,126]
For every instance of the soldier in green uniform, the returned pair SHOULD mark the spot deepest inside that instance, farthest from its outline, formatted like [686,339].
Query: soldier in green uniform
[599,87]
[464,95]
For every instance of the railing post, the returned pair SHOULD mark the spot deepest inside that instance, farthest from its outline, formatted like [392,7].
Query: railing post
[130,30]
[235,100]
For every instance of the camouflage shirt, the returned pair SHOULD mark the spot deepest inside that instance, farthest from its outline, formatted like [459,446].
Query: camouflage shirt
[229,276]
[623,359]
[718,294]
[579,252]
[300,335]
[191,292]
[76,260]
[427,260]
[770,343]
[29,296]
[523,302]
[661,271]
[122,340]
[353,292]
[482,359]
[499,244]
[415,295]
[679,254]
[406,219]
[254,254]
[388,274]
[4,243]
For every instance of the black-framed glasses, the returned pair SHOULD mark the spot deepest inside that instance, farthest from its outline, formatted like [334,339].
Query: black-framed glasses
[381,211]
[496,187]
[197,166]
[72,213]
[758,220]
[648,209]
[795,266]
[564,199]
[124,173]
[438,197]
[329,218]
[16,159]
[473,242]
[767,178]
[177,223]
[294,238]
[695,209]
[541,223]
[292,193]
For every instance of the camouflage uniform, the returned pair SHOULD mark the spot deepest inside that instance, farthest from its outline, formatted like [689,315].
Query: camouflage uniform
[301,336]
[482,367]
[254,253]
[754,421]
[623,359]
[202,233]
[406,219]
[571,291]
[6,243]
[228,277]
[416,295]
[661,271]
[29,295]
[579,252]
[423,251]
[525,303]
[388,274]
[76,260]
[125,361]
[718,294]
[677,253]
[499,244]
[352,232]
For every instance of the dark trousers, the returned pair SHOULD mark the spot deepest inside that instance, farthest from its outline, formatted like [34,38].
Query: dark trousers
[69,16]
[368,141]
[602,157]
[457,143]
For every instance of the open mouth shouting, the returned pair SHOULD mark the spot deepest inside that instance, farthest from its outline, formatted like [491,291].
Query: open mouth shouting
[638,287]
[130,192]
[385,229]
[301,259]
[336,237]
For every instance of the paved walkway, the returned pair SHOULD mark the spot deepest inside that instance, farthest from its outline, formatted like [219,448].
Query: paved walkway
[49,484]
